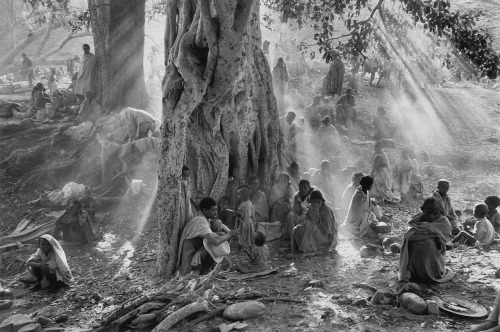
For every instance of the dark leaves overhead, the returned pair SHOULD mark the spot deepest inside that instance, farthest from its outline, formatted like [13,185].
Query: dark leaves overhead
[361,18]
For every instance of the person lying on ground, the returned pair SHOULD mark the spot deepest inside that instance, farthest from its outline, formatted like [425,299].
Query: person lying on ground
[89,204]
[441,195]
[75,225]
[483,233]
[363,214]
[49,266]
[493,203]
[192,255]
[301,201]
[423,250]
[492,324]
[258,256]
[319,230]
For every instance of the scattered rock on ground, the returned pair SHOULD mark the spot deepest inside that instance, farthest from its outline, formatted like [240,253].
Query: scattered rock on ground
[15,322]
[395,248]
[44,321]
[382,296]
[432,308]
[413,303]
[245,310]
[6,305]
[33,327]
[368,251]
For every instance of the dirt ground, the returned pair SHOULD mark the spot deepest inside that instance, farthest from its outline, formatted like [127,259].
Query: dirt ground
[123,263]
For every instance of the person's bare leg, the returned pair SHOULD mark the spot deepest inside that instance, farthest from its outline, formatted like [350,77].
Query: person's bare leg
[488,326]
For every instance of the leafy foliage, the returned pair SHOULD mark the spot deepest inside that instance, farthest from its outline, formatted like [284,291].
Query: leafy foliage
[363,18]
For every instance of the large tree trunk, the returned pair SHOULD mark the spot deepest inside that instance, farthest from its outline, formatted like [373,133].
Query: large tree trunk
[219,112]
[118,29]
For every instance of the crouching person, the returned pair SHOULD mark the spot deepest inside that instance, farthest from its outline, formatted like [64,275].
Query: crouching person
[192,253]
[49,266]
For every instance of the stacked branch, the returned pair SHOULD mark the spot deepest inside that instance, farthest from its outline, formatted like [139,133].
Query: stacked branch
[179,299]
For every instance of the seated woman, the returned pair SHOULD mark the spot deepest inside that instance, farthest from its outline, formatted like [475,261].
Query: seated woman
[319,231]
[382,181]
[294,171]
[49,266]
[280,198]
[301,201]
[259,201]
[403,173]
[363,213]
[423,248]
[349,190]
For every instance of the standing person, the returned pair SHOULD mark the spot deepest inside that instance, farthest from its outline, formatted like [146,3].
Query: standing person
[246,217]
[52,85]
[493,203]
[192,253]
[49,266]
[280,81]
[27,69]
[86,80]
[441,195]
[276,53]
[333,82]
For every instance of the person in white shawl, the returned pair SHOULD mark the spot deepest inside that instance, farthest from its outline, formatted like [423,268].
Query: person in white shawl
[87,78]
[49,266]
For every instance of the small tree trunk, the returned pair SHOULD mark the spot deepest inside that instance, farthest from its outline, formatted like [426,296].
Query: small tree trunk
[45,38]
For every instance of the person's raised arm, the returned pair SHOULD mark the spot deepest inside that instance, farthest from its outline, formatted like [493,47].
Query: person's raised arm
[215,239]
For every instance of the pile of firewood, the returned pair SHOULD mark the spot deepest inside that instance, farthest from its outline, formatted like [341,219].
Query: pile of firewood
[179,298]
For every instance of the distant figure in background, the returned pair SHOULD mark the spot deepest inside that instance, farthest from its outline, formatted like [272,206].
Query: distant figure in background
[346,113]
[379,150]
[319,231]
[402,173]
[312,116]
[265,50]
[38,97]
[328,139]
[27,69]
[280,199]
[300,204]
[70,65]
[89,204]
[87,75]
[90,111]
[383,127]
[259,200]
[196,197]
[154,62]
[294,171]
[289,131]
[246,217]
[49,266]
[75,225]
[441,195]
[52,84]
[280,81]
[153,86]
[349,191]
[325,180]
[294,101]
[276,53]
[333,83]
[493,202]
[382,181]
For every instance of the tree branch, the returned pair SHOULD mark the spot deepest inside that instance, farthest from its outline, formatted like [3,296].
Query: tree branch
[21,46]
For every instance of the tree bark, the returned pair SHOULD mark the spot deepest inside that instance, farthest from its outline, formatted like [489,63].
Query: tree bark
[219,112]
[118,29]
[46,37]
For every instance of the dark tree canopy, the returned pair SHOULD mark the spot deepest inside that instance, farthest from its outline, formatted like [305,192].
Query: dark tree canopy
[363,19]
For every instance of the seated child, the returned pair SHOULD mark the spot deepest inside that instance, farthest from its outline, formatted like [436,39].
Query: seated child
[482,234]
[491,324]
[246,217]
[258,256]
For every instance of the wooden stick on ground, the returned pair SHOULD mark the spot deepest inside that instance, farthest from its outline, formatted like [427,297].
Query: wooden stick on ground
[205,317]
[180,314]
